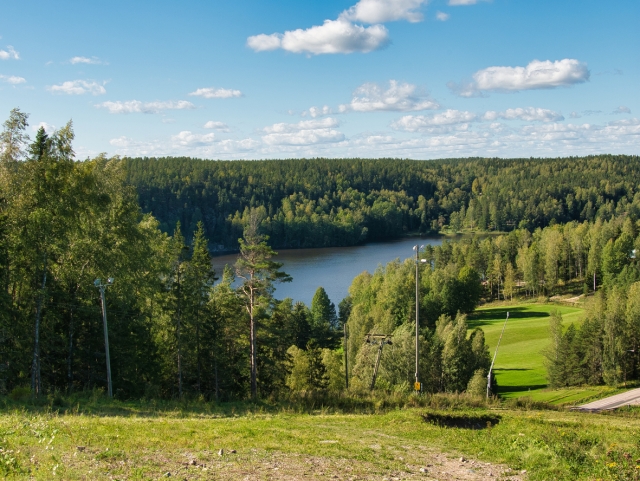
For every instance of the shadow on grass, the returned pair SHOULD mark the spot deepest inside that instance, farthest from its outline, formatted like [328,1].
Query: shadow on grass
[509,389]
[499,314]
[463,421]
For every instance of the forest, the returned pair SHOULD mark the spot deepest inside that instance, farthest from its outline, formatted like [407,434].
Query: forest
[178,329]
[339,202]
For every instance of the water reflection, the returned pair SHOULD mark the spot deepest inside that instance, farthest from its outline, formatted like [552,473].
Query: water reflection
[333,268]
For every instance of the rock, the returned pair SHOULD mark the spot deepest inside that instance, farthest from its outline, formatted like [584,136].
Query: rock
[462,460]
[524,471]
[221,452]
[167,474]
[193,462]
[80,448]
[232,451]
[424,470]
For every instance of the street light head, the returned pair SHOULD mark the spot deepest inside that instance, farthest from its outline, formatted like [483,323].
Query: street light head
[424,261]
[415,247]
[96,282]
[110,281]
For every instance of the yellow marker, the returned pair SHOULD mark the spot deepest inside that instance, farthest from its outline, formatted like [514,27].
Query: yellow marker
[417,386]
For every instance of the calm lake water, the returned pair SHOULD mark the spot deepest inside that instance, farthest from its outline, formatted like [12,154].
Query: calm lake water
[334,267]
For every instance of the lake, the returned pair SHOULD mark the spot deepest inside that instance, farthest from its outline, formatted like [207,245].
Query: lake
[333,267]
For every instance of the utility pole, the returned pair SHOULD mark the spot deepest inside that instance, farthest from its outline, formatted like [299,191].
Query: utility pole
[380,339]
[346,362]
[101,287]
[494,358]
[418,386]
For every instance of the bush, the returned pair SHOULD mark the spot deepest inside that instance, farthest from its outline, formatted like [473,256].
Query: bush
[20,393]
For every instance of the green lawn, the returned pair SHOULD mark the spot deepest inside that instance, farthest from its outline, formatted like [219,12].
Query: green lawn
[519,366]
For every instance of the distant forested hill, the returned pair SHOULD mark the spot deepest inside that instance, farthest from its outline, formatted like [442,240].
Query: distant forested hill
[336,202]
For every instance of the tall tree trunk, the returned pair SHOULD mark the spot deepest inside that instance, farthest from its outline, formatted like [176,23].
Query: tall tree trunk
[252,334]
[36,381]
[198,352]
[70,355]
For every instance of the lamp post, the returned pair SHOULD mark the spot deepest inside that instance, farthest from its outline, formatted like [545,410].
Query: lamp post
[101,287]
[418,386]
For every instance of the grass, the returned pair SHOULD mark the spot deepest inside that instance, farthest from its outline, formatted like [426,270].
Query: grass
[40,444]
[519,366]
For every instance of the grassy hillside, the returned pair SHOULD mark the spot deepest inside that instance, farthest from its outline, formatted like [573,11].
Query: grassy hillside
[142,443]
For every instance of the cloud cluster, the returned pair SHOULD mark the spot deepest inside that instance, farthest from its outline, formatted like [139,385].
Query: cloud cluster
[382,11]
[189,139]
[136,106]
[85,60]
[78,87]
[529,114]
[314,112]
[305,132]
[334,36]
[536,75]
[320,137]
[456,3]
[214,93]
[12,79]
[398,97]
[219,126]
[9,53]
[622,110]
[416,123]
[342,35]
[443,17]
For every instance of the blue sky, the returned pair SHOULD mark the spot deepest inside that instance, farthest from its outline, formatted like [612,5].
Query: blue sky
[261,79]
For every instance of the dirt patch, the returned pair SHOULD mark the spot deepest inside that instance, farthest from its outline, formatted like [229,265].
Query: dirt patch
[258,465]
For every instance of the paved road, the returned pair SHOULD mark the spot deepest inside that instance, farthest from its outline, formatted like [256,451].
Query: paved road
[623,399]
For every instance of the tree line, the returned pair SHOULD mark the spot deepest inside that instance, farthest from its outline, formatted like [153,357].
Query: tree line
[179,329]
[338,202]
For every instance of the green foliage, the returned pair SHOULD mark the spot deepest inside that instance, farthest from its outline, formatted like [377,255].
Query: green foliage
[335,202]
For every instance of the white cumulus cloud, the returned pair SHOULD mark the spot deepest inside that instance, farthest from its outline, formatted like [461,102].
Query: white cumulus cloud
[398,97]
[443,17]
[9,53]
[305,132]
[136,106]
[462,2]
[189,139]
[214,93]
[314,112]
[416,123]
[334,36]
[536,75]
[12,79]
[47,127]
[78,87]
[85,60]
[529,114]
[220,126]
[381,11]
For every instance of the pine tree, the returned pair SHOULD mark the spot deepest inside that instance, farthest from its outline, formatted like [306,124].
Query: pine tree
[324,322]
[258,273]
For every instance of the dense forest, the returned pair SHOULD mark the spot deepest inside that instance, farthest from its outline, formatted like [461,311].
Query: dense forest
[337,202]
[176,328]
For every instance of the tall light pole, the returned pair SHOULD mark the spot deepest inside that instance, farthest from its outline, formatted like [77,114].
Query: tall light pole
[101,287]
[418,386]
